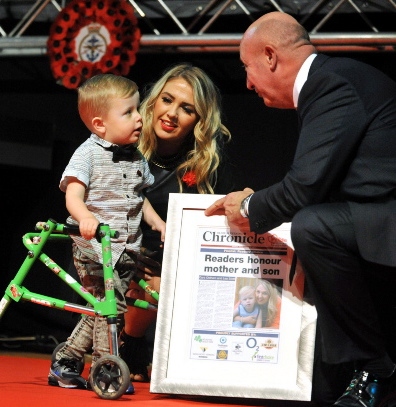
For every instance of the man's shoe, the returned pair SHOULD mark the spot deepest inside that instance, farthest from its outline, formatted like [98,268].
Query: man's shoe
[67,373]
[365,390]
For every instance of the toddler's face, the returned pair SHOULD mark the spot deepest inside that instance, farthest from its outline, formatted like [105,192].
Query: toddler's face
[247,301]
[123,122]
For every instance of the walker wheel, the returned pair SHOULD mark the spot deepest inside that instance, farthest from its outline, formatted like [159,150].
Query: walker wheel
[109,377]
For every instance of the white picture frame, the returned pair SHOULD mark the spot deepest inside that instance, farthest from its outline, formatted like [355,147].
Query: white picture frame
[196,350]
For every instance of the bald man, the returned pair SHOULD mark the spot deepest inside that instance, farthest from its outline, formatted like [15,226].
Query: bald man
[339,193]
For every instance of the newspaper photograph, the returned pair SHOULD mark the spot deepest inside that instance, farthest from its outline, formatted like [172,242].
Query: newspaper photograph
[238,303]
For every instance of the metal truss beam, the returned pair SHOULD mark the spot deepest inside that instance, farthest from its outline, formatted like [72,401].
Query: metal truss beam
[184,26]
[340,42]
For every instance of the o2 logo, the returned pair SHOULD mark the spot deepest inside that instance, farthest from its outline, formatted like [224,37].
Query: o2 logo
[251,343]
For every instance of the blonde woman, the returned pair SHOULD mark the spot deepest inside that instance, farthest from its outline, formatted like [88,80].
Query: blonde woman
[182,139]
[269,300]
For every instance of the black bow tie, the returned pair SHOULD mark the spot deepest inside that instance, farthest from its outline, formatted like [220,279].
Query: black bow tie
[122,152]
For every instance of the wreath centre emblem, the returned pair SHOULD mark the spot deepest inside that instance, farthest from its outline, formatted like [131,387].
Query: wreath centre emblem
[92,42]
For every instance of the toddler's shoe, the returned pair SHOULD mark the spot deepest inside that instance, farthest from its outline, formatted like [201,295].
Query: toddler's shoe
[67,373]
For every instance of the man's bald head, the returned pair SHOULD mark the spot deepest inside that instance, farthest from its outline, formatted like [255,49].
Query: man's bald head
[278,29]
[272,50]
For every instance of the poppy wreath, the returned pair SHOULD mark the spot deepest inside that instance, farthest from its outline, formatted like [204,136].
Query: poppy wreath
[89,37]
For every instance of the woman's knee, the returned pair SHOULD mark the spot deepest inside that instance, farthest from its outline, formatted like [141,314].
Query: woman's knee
[135,292]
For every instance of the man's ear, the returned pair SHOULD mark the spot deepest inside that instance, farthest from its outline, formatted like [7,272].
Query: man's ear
[98,124]
[270,57]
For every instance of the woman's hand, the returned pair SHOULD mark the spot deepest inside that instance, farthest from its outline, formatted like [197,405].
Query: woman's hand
[246,320]
[147,265]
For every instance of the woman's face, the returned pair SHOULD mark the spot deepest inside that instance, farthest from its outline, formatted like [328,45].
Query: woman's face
[174,112]
[262,294]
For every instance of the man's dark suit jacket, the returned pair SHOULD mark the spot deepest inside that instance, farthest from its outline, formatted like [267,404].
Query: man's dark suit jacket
[346,152]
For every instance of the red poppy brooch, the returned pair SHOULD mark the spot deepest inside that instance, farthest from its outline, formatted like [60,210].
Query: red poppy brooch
[189,178]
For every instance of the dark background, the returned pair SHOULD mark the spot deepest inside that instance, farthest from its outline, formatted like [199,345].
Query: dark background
[40,129]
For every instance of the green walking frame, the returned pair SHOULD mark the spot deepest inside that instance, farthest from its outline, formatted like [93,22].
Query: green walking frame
[110,375]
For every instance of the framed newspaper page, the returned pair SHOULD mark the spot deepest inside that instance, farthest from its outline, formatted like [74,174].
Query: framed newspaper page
[232,320]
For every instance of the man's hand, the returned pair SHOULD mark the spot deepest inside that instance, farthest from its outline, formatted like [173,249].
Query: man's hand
[230,206]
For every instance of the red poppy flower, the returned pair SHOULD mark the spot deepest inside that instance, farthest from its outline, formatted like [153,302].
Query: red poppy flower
[189,178]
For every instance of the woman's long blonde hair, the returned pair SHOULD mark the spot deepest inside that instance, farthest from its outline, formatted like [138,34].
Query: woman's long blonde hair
[209,132]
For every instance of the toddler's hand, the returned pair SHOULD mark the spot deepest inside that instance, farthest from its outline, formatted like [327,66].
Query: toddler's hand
[88,227]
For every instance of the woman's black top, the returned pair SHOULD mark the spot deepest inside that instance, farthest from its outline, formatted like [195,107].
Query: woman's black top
[164,172]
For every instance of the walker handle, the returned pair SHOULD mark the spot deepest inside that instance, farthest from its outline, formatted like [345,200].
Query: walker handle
[75,230]
[70,229]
